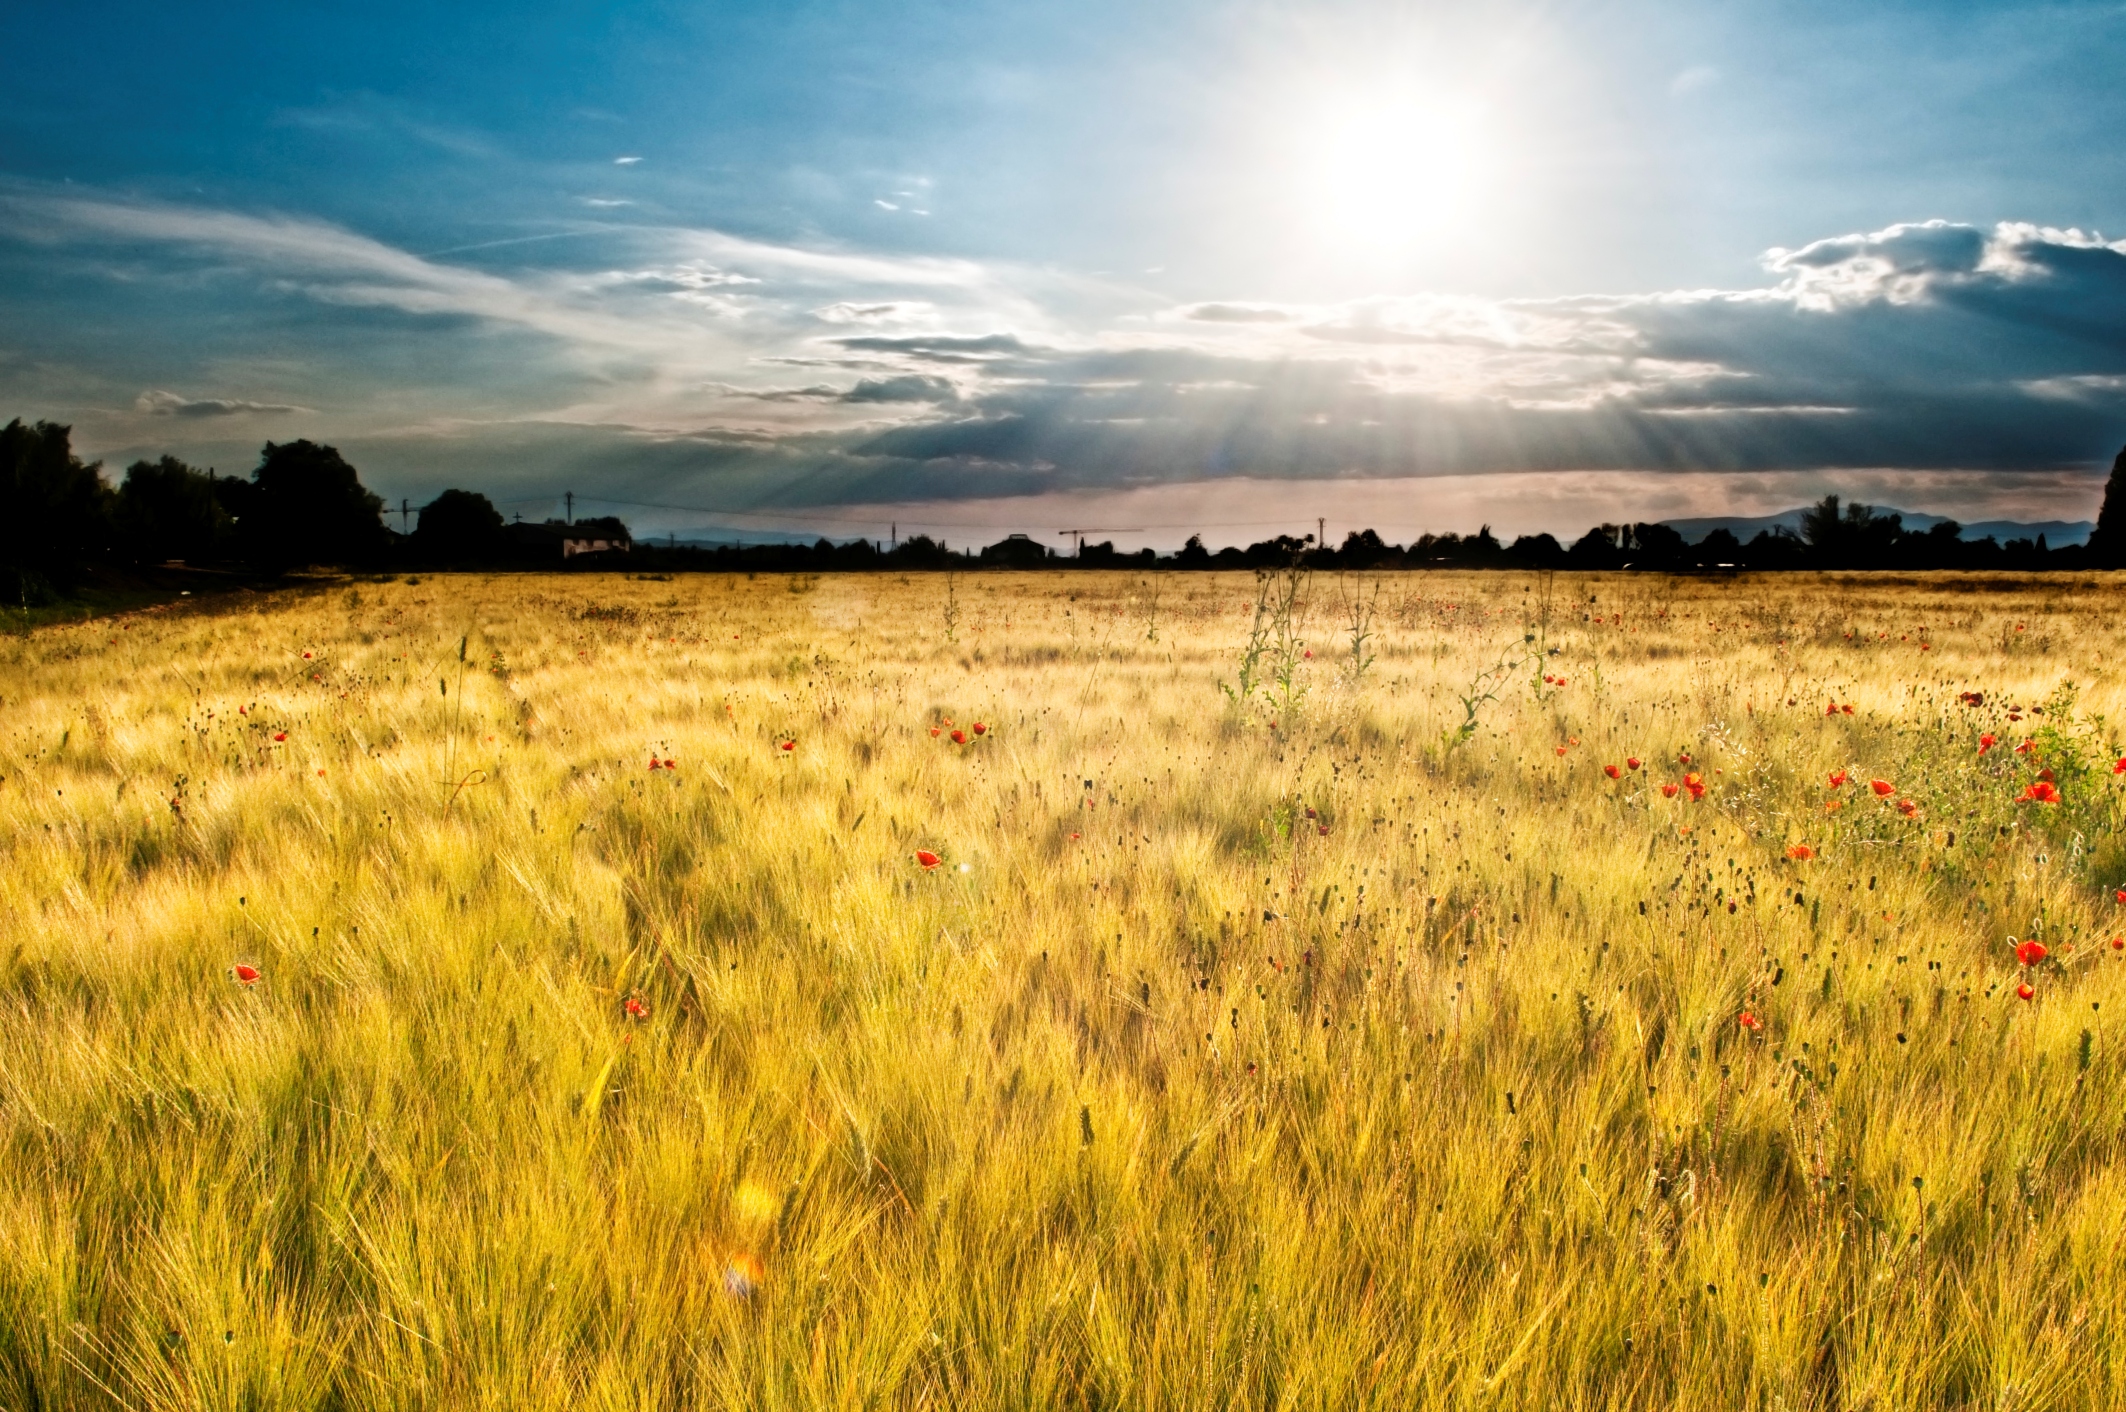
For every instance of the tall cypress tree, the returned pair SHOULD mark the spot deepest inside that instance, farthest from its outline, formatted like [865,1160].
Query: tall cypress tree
[2107,542]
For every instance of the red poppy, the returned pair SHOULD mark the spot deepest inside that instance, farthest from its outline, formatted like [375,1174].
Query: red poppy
[789,745]
[636,1008]
[1907,808]
[927,858]
[2025,748]
[671,764]
[1847,708]
[1801,853]
[2118,943]
[2119,768]
[1985,743]
[1668,791]
[959,737]
[2122,896]
[1561,681]
[933,732]
[1882,787]
[980,729]
[280,735]
[2042,792]
[1683,757]
[1749,1021]
[2029,953]
[1831,710]
[1838,780]
[1561,750]
[655,763]
[2024,991]
[1695,784]
[247,975]
[1632,763]
[1612,771]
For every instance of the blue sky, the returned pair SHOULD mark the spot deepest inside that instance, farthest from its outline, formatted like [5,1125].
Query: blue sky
[1030,265]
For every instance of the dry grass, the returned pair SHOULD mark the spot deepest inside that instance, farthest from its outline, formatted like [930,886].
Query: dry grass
[1160,1091]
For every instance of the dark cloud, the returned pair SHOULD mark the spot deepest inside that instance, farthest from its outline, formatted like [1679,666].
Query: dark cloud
[914,387]
[157,403]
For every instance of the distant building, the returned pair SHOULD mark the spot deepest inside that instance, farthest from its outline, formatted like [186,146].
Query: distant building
[556,540]
[1016,551]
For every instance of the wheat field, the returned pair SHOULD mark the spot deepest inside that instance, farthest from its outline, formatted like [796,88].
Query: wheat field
[594,992]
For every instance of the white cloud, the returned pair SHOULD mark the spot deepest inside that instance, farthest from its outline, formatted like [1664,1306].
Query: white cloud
[625,161]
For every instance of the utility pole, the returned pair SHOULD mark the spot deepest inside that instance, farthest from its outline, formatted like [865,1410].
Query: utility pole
[896,534]
[1321,534]
[569,500]
[405,509]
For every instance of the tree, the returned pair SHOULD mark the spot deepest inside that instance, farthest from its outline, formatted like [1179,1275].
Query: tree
[2107,543]
[168,510]
[1597,549]
[459,527]
[58,509]
[1719,547]
[308,506]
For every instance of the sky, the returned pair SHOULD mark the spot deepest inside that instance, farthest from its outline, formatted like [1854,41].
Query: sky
[1135,268]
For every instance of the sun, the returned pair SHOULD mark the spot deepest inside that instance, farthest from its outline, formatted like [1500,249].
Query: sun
[1392,174]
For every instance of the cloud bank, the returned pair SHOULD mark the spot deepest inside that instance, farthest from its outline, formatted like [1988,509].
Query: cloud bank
[663,361]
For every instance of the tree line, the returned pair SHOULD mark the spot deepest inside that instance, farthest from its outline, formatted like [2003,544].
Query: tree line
[303,504]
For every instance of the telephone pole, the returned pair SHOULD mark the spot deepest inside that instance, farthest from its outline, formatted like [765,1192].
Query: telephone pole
[569,500]
[1321,534]
[405,509]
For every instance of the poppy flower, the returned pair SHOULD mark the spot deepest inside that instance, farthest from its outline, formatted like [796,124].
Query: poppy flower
[1632,763]
[655,763]
[1561,750]
[1985,743]
[247,975]
[1847,708]
[280,735]
[1831,710]
[2042,792]
[980,729]
[1668,791]
[1907,808]
[1695,784]
[1561,681]
[1882,787]
[1801,853]
[928,859]
[789,745]
[2029,953]
[933,732]
[1612,771]
[1838,780]
[2118,943]
[1749,1021]
[636,1008]
[1834,806]
[1683,757]
[959,737]
[2119,768]
[671,764]
[2025,748]
[2023,991]
[2121,894]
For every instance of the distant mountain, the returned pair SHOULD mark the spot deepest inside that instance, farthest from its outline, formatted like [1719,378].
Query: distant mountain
[2058,533]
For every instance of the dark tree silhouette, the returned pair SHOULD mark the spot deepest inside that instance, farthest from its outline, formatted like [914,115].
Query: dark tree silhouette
[2107,543]
[168,510]
[1719,547]
[57,512]
[308,507]
[459,527]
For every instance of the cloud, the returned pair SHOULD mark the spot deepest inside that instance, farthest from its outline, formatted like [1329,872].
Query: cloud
[1235,314]
[169,404]
[625,161]
[913,387]
[1692,80]
[1921,348]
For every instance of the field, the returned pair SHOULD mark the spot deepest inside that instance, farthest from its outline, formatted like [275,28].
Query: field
[539,993]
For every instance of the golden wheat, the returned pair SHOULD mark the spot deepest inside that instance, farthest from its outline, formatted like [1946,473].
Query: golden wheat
[1294,1050]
